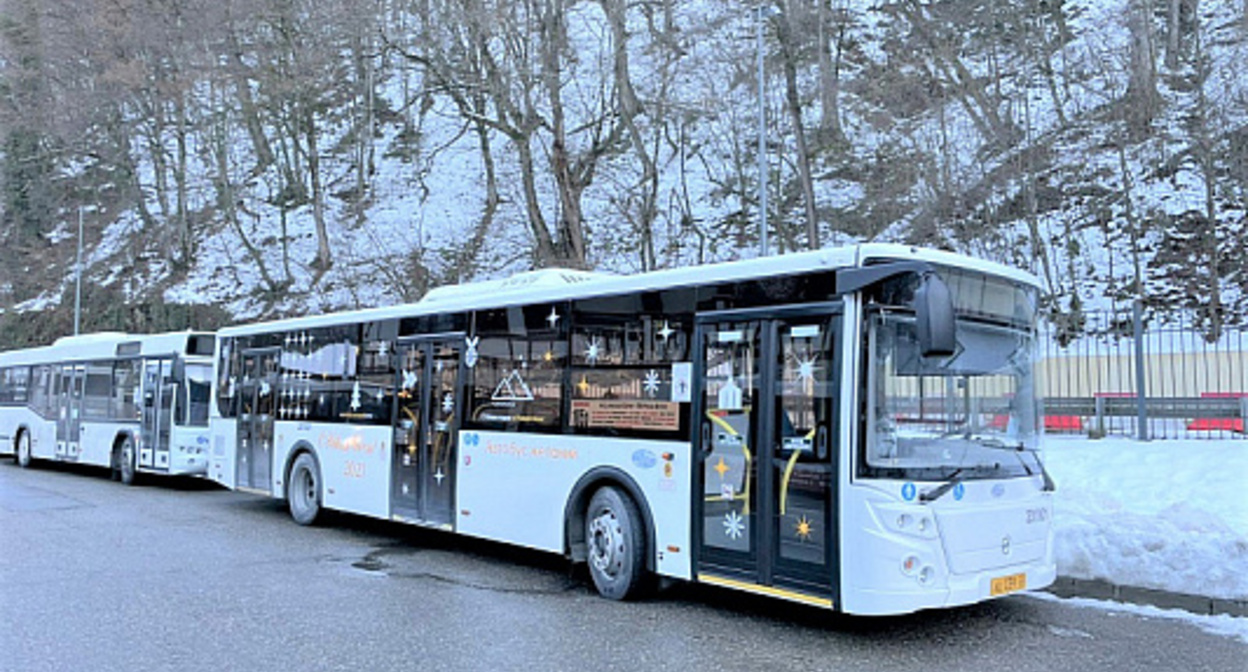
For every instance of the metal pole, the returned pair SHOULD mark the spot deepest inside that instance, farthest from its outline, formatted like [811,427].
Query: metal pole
[1141,384]
[78,278]
[762,133]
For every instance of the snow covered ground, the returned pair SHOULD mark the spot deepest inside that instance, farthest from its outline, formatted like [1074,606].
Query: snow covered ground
[1170,515]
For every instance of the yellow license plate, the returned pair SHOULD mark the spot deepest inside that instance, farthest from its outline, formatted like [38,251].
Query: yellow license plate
[1008,584]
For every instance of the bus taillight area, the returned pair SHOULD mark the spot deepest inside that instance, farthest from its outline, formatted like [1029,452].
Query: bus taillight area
[989,539]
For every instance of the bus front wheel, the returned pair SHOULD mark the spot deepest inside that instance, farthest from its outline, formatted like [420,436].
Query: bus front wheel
[127,470]
[617,544]
[22,455]
[305,490]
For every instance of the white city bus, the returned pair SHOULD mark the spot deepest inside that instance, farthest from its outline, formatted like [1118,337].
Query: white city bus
[135,404]
[852,428]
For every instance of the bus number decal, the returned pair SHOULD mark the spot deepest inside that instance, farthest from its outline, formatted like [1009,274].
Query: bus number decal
[353,469]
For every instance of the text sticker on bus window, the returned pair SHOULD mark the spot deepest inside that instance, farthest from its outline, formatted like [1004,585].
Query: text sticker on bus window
[806,331]
[730,336]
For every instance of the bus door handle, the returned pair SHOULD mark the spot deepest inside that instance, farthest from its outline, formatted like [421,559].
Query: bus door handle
[706,446]
[821,442]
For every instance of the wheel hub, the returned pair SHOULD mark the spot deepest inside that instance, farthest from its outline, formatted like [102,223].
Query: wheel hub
[606,544]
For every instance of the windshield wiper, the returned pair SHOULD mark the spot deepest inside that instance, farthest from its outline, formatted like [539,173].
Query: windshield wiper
[994,443]
[940,490]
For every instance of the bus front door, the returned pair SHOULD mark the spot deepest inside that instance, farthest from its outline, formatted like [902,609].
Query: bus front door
[767,418]
[69,411]
[425,431]
[158,392]
[257,397]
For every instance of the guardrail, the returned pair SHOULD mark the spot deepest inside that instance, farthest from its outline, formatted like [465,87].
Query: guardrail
[1199,414]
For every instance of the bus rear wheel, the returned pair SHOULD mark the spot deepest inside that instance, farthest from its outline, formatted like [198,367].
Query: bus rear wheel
[127,469]
[22,455]
[616,542]
[305,490]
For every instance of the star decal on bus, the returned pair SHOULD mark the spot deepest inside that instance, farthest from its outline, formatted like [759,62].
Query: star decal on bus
[803,528]
[666,332]
[734,525]
[721,467]
[553,318]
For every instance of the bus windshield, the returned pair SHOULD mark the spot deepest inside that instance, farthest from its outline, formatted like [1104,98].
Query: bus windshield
[967,416]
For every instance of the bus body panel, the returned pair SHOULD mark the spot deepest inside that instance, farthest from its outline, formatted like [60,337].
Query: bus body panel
[98,439]
[188,451]
[989,530]
[493,464]
[354,462]
[221,461]
[15,419]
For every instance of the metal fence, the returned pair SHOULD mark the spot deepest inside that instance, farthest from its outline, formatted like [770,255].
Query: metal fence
[1147,376]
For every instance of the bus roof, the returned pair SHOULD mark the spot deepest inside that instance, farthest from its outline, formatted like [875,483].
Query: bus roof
[110,345]
[549,285]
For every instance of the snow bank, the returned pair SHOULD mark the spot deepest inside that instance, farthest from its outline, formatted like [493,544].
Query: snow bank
[1170,515]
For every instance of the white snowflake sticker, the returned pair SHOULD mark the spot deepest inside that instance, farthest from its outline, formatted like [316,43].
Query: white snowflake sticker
[594,351]
[651,385]
[734,525]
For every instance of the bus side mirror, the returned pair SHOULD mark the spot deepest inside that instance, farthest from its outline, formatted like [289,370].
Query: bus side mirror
[933,308]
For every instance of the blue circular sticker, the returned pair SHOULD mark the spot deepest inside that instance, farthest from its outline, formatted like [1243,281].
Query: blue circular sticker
[907,491]
[959,491]
[644,459]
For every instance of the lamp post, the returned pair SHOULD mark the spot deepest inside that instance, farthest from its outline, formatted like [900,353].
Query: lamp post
[762,13]
[78,277]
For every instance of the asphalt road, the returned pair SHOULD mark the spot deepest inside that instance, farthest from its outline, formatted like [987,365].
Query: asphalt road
[179,575]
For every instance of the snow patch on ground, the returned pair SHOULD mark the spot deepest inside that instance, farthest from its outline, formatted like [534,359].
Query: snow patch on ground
[1220,624]
[1170,515]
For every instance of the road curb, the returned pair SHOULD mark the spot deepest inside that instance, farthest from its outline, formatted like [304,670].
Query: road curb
[1098,589]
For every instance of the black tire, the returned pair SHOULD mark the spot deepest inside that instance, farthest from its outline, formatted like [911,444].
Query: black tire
[615,539]
[22,453]
[127,462]
[304,492]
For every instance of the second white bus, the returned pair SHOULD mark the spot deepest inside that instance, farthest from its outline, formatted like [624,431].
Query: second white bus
[131,403]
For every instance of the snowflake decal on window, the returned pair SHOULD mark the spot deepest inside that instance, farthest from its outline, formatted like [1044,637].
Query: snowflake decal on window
[651,385]
[734,525]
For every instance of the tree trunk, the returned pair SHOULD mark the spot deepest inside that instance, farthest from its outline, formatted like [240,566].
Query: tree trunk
[629,110]
[1141,100]
[324,259]
[794,105]
[571,236]
[830,130]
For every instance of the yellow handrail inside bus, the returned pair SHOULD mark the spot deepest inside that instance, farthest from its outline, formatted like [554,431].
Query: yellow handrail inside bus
[788,473]
[745,491]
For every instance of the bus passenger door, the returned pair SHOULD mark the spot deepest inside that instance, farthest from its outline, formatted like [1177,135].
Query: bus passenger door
[68,412]
[257,395]
[767,422]
[158,392]
[426,427]
[405,469]
[439,437]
